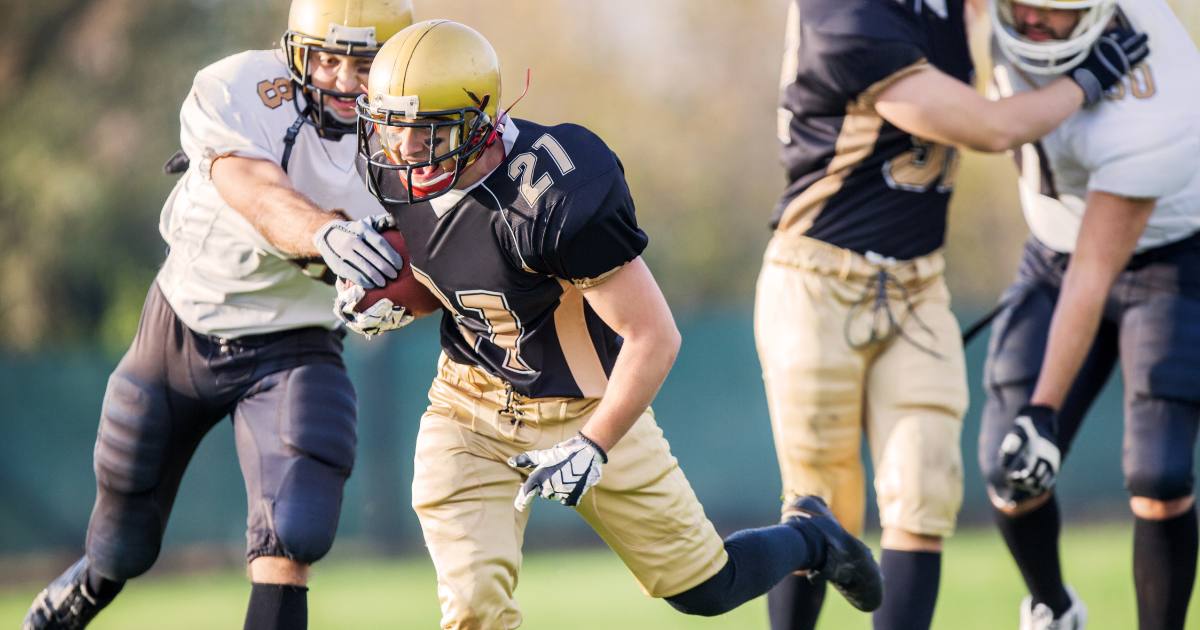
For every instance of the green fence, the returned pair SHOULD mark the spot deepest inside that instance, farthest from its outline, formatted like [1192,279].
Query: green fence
[712,410]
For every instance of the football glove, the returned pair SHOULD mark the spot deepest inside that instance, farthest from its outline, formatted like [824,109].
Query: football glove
[381,316]
[1111,58]
[563,472]
[354,250]
[1028,451]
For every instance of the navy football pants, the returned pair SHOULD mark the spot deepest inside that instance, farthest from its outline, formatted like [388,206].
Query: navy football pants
[1151,326]
[293,411]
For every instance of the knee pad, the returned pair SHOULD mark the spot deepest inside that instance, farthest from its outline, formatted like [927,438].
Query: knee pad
[306,512]
[131,445]
[124,536]
[919,477]
[1162,480]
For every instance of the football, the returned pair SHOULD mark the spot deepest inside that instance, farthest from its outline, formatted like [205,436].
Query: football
[405,290]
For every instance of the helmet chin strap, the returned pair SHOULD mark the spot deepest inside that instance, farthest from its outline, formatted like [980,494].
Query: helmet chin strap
[503,115]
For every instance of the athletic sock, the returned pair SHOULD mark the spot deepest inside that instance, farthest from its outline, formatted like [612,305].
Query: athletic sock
[758,559]
[1164,568]
[912,588]
[277,607]
[102,588]
[1032,540]
[795,603]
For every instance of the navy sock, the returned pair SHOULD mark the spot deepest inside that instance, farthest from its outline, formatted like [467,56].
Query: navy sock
[795,603]
[1164,569]
[277,607]
[102,588]
[912,587]
[758,559]
[1032,540]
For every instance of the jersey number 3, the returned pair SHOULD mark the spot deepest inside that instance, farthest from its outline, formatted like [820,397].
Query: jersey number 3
[522,166]
[926,166]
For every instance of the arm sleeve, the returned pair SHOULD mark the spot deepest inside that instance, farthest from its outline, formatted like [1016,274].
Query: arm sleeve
[852,67]
[593,231]
[213,123]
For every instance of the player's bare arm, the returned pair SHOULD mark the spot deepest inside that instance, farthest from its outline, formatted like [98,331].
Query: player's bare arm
[631,303]
[1107,237]
[262,193]
[930,104]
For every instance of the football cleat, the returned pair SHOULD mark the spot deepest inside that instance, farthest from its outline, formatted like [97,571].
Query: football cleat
[1040,617]
[65,604]
[848,564]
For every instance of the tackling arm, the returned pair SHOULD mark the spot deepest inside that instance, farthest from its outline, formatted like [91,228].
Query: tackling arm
[631,303]
[262,193]
[933,105]
[1110,230]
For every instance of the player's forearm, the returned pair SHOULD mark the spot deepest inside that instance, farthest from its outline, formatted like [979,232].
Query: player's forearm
[1073,329]
[261,192]
[639,372]
[1028,116]
[287,219]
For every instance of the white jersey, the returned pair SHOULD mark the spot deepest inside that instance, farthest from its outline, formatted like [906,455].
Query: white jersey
[221,276]
[1143,140]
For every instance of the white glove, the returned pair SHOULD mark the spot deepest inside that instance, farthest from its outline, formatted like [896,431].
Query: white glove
[1029,452]
[355,250]
[563,472]
[381,316]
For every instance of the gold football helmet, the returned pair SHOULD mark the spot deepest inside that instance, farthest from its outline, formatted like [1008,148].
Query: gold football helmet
[430,108]
[344,27]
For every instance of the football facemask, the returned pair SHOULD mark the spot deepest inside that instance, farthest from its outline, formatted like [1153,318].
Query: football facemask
[354,28]
[424,152]
[1054,56]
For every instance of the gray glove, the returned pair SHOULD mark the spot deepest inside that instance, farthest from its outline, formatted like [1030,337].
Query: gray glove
[355,250]
[562,472]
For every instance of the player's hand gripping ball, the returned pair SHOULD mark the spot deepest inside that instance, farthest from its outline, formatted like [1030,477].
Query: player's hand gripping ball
[397,303]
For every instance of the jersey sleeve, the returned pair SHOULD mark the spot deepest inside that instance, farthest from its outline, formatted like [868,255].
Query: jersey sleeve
[213,123]
[592,231]
[1155,161]
[855,67]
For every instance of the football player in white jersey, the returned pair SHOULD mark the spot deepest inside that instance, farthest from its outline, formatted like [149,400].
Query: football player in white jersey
[1112,198]
[234,326]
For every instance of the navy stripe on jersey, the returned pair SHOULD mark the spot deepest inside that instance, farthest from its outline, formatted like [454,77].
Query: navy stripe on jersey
[855,180]
[508,261]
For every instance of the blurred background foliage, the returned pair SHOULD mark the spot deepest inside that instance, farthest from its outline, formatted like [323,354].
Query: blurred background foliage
[684,91]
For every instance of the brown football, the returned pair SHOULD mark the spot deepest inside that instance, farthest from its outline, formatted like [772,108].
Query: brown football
[405,290]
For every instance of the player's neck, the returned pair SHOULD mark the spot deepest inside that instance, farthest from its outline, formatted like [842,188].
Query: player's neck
[487,162]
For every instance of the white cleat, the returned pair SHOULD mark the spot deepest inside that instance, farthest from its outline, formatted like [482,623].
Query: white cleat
[1040,617]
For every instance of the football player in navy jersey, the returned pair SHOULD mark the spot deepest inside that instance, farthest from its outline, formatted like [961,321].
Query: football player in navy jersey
[555,340]
[852,319]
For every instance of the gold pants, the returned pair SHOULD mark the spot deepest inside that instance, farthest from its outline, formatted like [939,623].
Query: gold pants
[828,379]
[463,492]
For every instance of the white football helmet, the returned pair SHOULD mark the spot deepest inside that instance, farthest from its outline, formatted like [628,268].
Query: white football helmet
[1054,56]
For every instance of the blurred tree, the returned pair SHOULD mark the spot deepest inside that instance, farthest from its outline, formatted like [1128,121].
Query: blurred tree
[684,91]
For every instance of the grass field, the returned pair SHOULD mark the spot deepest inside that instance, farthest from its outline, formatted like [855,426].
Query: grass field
[980,590]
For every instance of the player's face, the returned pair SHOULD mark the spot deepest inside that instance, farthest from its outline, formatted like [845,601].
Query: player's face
[1043,25]
[340,73]
[417,145]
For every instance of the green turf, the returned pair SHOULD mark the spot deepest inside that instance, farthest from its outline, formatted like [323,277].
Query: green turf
[591,589]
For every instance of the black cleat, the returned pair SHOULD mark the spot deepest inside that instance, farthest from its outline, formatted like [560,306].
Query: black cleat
[848,563]
[65,604]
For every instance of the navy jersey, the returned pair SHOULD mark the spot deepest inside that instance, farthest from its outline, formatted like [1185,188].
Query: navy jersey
[510,256]
[854,180]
